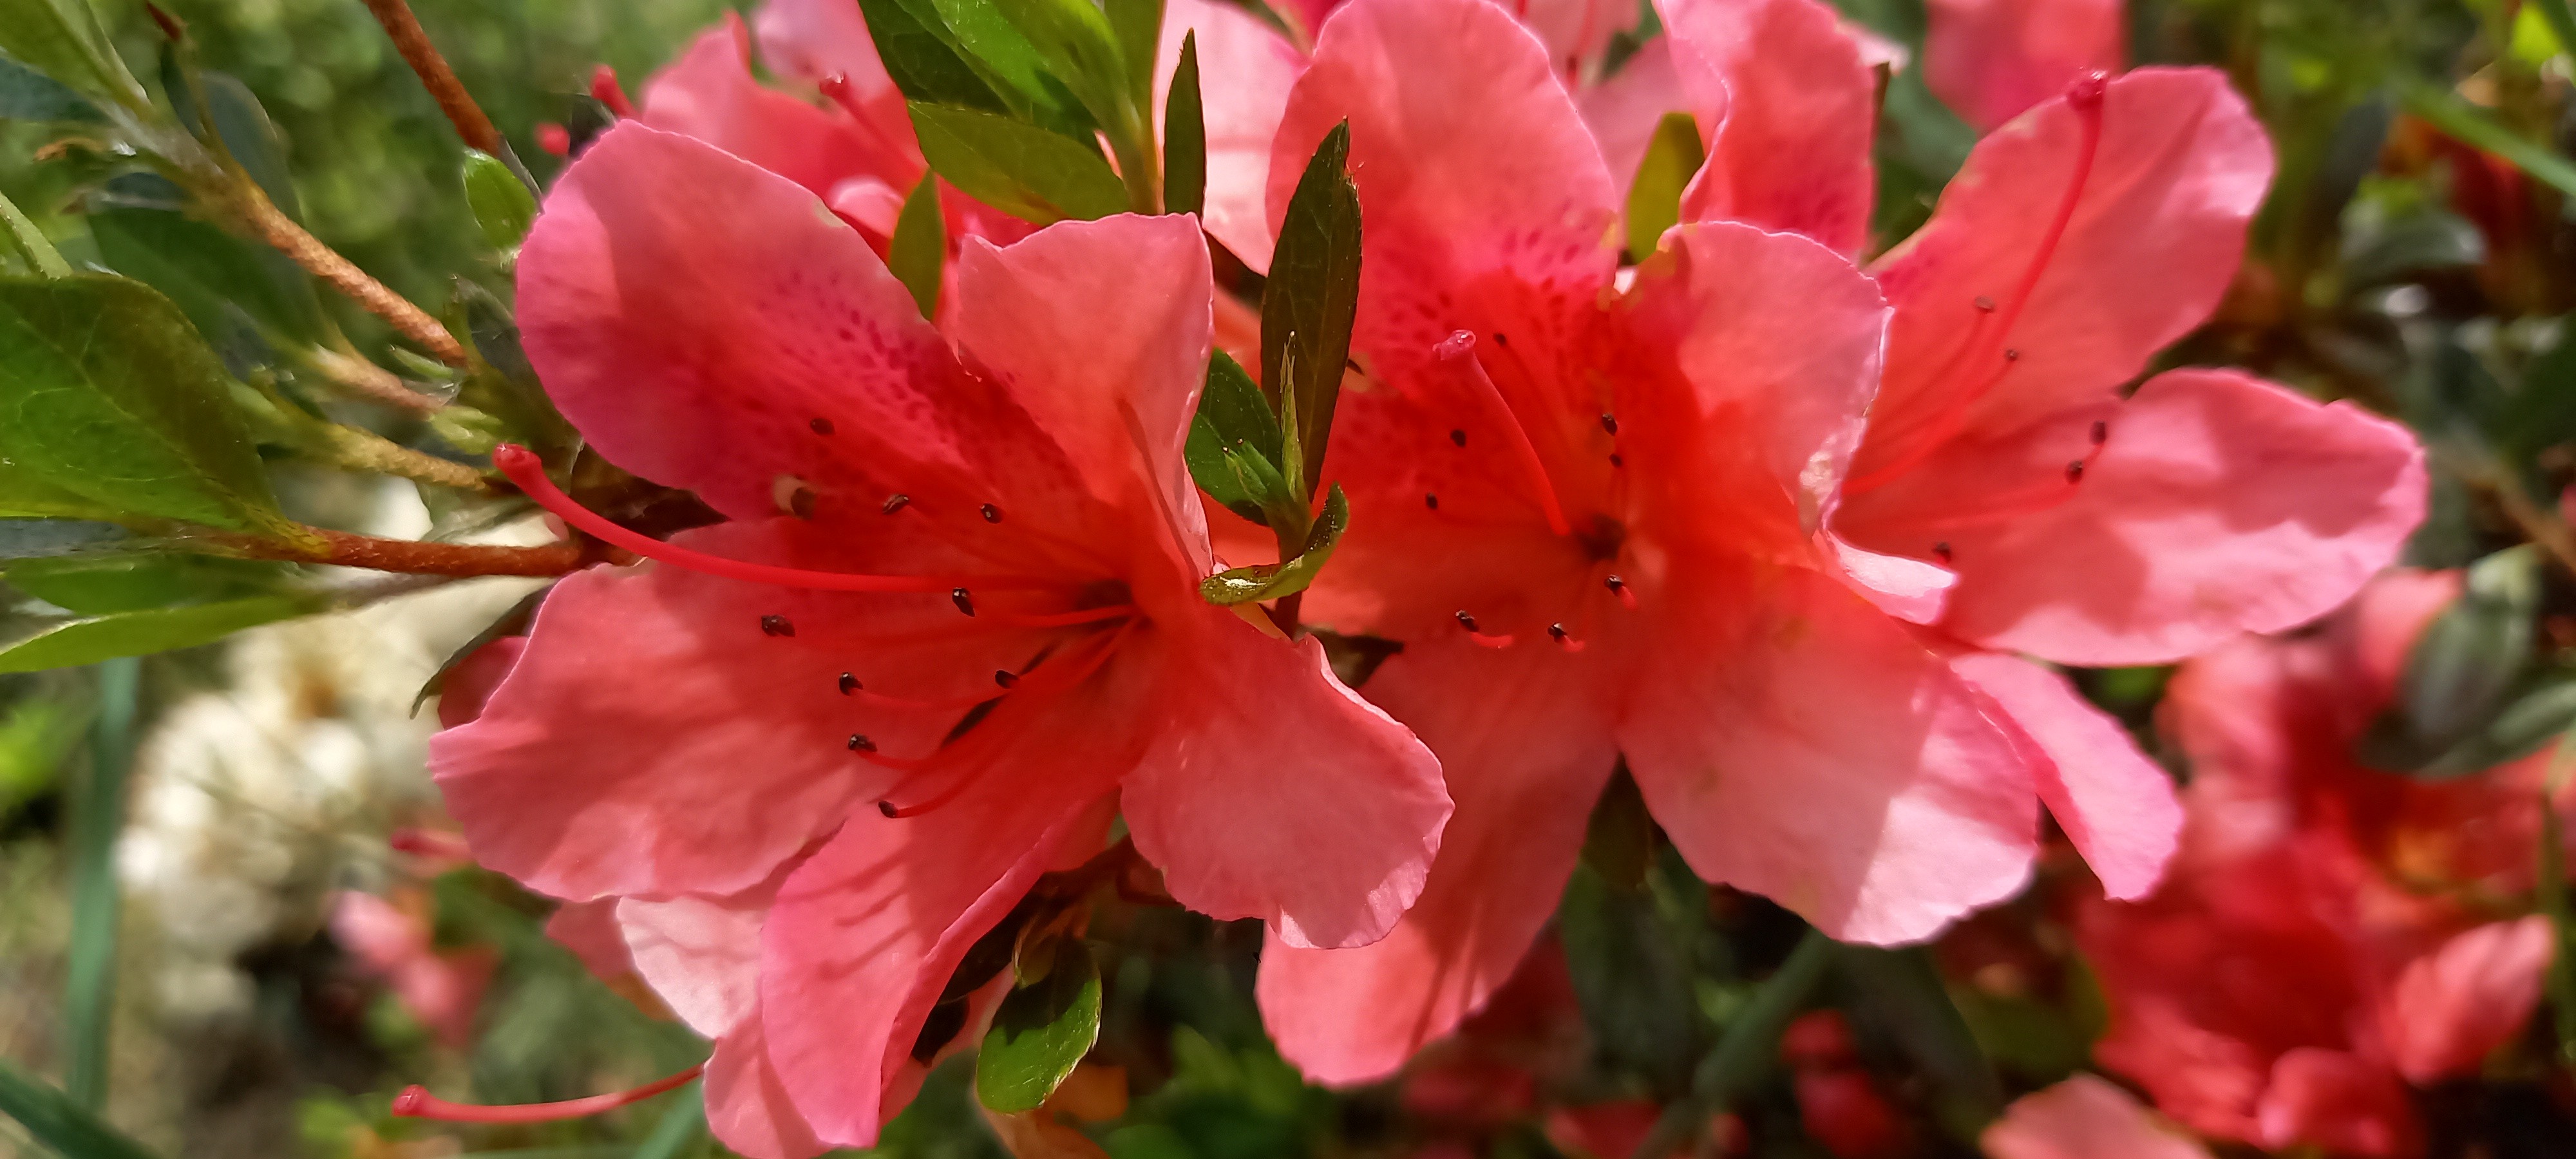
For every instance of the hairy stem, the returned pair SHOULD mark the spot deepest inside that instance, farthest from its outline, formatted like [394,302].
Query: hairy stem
[365,451]
[368,380]
[412,557]
[278,230]
[413,43]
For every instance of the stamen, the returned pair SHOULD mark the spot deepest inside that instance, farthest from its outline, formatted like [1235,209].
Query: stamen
[1005,677]
[819,425]
[2101,432]
[605,89]
[1609,423]
[2075,471]
[1058,619]
[1460,351]
[428,843]
[1458,437]
[849,684]
[895,502]
[964,600]
[1431,501]
[776,626]
[522,467]
[415,1102]
[1619,587]
[1496,640]
[991,513]
[859,743]
[1941,551]
[1047,678]
[1563,639]
[1466,621]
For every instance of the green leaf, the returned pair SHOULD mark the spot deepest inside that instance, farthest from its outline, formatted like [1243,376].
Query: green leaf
[107,392]
[1235,443]
[1018,168]
[1076,46]
[1138,25]
[1901,994]
[97,585]
[27,495]
[1630,963]
[1040,1032]
[1619,841]
[680,1127]
[1309,302]
[63,40]
[924,58]
[1655,196]
[59,1123]
[28,95]
[503,385]
[27,247]
[253,140]
[501,202]
[2468,698]
[97,809]
[66,643]
[1745,1051]
[1185,135]
[918,253]
[1270,581]
[36,735]
[2475,127]
[218,279]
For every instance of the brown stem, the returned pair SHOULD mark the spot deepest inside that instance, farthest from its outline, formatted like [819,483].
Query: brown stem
[440,80]
[415,557]
[323,262]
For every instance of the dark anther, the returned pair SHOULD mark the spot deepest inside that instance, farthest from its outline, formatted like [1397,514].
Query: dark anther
[887,810]
[2101,432]
[1941,550]
[965,603]
[820,426]
[1458,437]
[992,514]
[859,743]
[1617,459]
[1466,621]
[2075,471]
[776,626]
[1556,632]
[1431,501]
[1615,584]
[1609,423]
[1985,304]
[1005,677]
[1499,340]
[895,502]
[849,684]
[2011,355]
[800,503]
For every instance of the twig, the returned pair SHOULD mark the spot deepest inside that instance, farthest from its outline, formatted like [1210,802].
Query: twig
[369,381]
[366,451]
[278,230]
[413,557]
[413,43]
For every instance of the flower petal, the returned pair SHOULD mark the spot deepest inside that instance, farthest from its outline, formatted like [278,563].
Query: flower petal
[1272,791]
[2219,504]
[2157,226]
[1526,749]
[1786,107]
[1624,110]
[2117,806]
[747,1106]
[1796,743]
[709,94]
[2084,1118]
[1245,71]
[2338,1103]
[2474,992]
[1991,59]
[701,955]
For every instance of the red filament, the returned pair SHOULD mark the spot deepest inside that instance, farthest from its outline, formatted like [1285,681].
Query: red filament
[1459,351]
[415,1102]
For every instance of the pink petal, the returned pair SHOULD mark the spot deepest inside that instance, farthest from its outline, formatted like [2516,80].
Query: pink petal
[2156,230]
[814,39]
[866,934]
[709,94]
[1245,70]
[2453,1007]
[2117,806]
[695,316]
[1624,110]
[1485,202]
[2219,504]
[1526,749]
[589,930]
[464,687]
[1991,59]
[1099,331]
[1796,743]
[1576,32]
[2084,1118]
[2340,1104]
[1908,589]
[701,955]
[376,932]
[1272,791]
[747,1106]
[1787,108]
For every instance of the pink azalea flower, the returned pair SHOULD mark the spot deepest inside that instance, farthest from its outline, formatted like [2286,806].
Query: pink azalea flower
[817,751]
[2329,934]
[2084,1118]
[391,940]
[1592,518]
[1991,59]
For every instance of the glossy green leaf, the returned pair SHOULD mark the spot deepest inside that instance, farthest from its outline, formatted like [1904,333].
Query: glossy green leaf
[1185,135]
[1235,442]
[28,95]
[1655,195]
[1042,1029]
[215,277]
[924,58]
[105,584]
[1270,581]
[918,253]
[107,392]
[1016,167]
[993,41]
[58,1123]
[64,40]
[1309,302]
[501,203]
[73,641]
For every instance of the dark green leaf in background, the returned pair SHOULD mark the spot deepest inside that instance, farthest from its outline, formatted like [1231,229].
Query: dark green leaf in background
[73,641]
[253,140]
[1015,167]
[1185,135]
[1138,25]
[218,279]
[1655,196]
[105,584]
[58,1122]
[106,391]
[1308,304]
[64,40]
[1041,1031]
[97,818]
[2471,695]
[918,252]
[1900,994]
[28,95]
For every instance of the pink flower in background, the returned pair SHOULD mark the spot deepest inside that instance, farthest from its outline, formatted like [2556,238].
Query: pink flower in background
[2329,934]
[1991,59]
[1591,516]
[390,938]
[2084,1118]
[816,752]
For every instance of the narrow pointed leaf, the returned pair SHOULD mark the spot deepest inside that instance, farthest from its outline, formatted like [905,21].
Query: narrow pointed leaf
[105,584]
[1185,135]
[1312,295]
[252,138]
[1076,46]
[1021,169]
[59,1123]
[1270,581]
[28,95]
[1655,196]
[67,643]
[1040,1032]
[918,253]
[97,819]
[2474,126]
[501,203]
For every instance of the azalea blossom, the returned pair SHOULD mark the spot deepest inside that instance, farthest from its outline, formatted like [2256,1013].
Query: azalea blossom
[952,626]
[390,939]
[2084,1118]
[1990,59]
[2330,935]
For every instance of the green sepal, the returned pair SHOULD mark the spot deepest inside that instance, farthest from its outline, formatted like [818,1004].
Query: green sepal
[501,202]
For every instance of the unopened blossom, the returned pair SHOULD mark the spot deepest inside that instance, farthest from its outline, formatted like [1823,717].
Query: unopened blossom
[2330,935]
[1592,517]
[390,939]
[2084,1118]
[1990,59]
[952,625]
